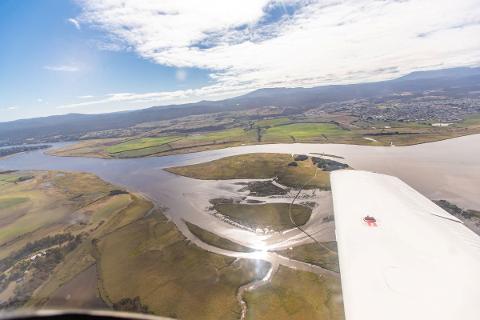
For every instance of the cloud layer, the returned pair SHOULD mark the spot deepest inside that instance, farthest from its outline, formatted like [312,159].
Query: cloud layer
[62,68]
[247,44]
[74,22]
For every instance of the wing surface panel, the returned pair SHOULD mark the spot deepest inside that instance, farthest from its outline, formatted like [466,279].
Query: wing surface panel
[401,256]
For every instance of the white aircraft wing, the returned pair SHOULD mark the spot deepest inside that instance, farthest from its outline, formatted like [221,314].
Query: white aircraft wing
[409,260]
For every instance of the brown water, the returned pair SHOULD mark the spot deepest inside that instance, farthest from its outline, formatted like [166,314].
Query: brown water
[448,169]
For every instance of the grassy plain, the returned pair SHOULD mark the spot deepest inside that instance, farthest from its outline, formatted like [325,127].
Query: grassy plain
[259,166]
[270,215]
[158,145]
[296,295]
[142,143]
[201,133]
[323,255]
[49,199]
[220,136]
[80,292]
[52,203]
[8,202]
[95,148]
[216,241]
[297,132]
[170,276]
[116,214]
[473,120]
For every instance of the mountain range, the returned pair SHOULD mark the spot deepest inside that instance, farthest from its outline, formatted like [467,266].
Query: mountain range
[454,81]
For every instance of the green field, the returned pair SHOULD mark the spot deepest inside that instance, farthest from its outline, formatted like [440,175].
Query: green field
[161,145]
[323,255]
[297,132]
[296,295]
[229,134]
[142,143]
[186,136]
[270,215]
[259,166]
[473,120]
[6,203]
[13,177]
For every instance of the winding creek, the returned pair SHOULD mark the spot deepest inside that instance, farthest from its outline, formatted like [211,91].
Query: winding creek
[448,169]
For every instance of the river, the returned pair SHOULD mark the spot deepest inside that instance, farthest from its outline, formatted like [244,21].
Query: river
[448,169]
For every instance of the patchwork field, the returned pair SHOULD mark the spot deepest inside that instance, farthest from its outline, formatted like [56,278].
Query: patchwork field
[200,133]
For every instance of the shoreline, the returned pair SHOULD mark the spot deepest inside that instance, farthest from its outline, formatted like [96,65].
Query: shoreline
[52,152]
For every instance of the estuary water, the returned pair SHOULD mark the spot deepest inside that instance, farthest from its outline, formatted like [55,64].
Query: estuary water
[448,169]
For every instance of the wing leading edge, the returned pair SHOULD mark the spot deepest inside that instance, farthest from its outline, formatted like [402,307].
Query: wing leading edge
[401,256]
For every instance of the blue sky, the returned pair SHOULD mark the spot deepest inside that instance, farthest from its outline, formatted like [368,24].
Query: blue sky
[93,56]
[37,35]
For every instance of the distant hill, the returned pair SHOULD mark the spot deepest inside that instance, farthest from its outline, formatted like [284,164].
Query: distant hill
[442,73]
[455,81]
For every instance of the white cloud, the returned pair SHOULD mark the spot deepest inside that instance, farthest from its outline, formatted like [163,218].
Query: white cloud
[85,97]
[62,68]
[40,100]
[75,23]
[181,75]
[323,42]
[12,108]
[217,91]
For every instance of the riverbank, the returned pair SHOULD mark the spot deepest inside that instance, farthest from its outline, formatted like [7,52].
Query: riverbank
[162,146]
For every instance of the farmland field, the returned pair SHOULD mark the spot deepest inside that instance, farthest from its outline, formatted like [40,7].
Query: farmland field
[141,143]
[302,131]
[203,135]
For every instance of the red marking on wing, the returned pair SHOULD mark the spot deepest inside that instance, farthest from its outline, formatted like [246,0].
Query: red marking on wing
[371,221]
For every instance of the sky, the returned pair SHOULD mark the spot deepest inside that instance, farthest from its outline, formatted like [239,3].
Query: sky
[95,56]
